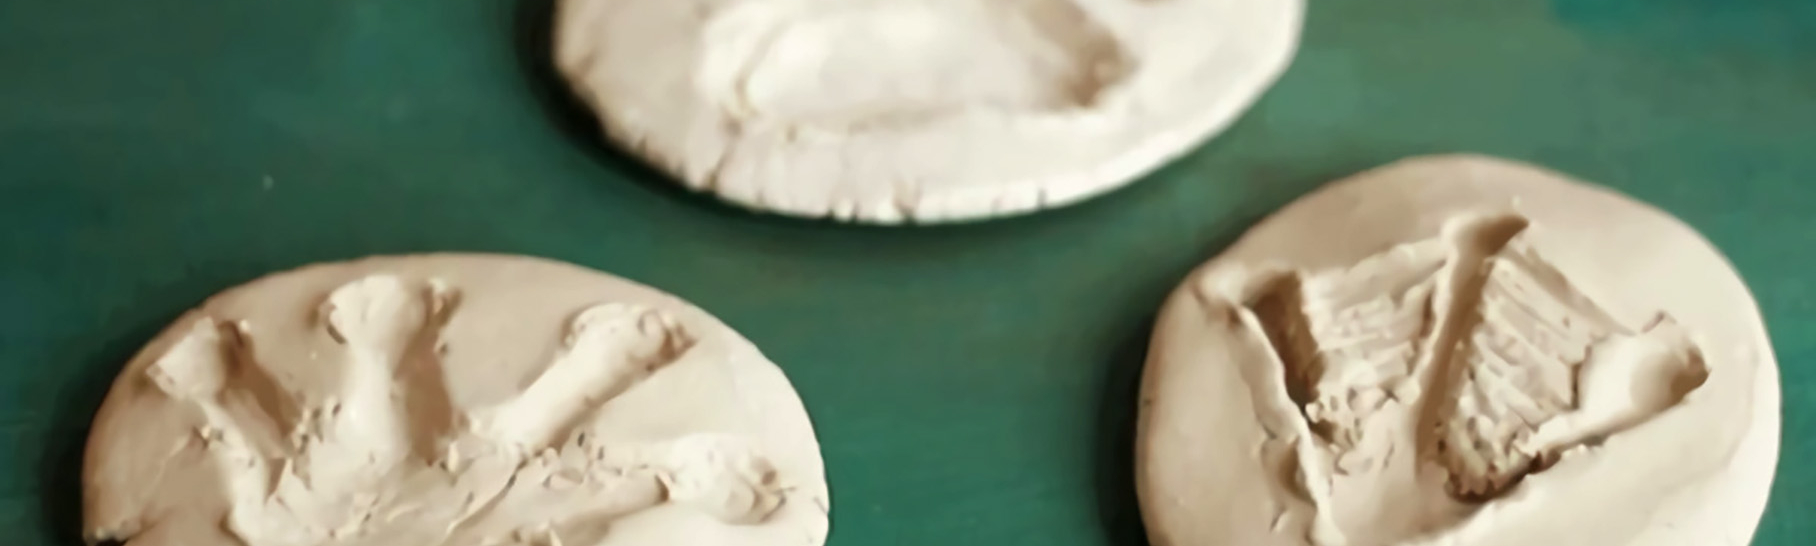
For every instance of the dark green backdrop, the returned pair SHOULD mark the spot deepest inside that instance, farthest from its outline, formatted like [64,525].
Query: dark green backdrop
[973,385]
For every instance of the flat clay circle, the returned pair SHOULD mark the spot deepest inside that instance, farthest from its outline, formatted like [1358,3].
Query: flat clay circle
[451,399]
[893,111]
[1460,350]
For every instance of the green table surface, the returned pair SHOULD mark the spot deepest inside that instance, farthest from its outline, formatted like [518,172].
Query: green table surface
[972,384]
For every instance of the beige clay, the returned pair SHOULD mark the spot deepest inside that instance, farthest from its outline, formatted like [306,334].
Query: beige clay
[1460,351]
[891,111]
[459,400]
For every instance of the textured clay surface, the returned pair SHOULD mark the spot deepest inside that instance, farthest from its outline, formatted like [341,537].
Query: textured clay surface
[1460,351]
[891,111]
[450,399]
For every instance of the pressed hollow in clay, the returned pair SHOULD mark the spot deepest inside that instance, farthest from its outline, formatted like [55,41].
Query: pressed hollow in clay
[891,111]
[459,400]
[1459,351]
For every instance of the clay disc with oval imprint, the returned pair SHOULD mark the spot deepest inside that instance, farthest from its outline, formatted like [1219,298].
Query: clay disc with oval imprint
[1453,351]
[892,111]
[451,400]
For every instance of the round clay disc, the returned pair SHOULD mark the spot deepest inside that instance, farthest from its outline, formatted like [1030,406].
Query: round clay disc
[1460,350]
[891,111]
[452,400]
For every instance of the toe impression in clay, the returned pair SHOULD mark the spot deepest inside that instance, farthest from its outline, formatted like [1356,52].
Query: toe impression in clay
[608,349]
[1426,394]
[387,456]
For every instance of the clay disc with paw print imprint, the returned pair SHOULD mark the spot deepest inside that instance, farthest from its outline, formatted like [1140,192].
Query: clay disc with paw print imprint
[452,400]
[893,111]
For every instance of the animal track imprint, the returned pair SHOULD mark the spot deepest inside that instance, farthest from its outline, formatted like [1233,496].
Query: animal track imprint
[387,458]
[1464,362]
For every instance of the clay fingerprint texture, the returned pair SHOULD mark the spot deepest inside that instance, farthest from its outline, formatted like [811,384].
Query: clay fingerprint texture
[892,111]
[1487,354]
[452,400]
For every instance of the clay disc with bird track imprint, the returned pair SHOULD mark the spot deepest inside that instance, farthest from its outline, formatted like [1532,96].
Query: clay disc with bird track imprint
[1459,350]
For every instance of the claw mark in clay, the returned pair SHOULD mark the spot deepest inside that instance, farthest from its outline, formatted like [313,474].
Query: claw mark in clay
[394,414]
[1490,355]
[892,111]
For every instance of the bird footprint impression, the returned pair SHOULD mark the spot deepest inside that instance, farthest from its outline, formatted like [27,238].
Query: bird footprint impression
[1461,364]
[1459,351]
[373,444]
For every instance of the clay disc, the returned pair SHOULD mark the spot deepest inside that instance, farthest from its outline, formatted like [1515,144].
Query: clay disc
[1460,350]
[451,399]
[890,111]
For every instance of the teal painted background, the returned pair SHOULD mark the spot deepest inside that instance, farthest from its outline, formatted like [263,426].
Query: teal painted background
[973,385]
